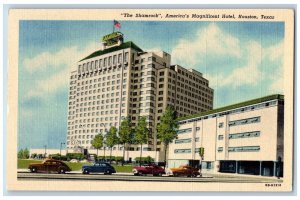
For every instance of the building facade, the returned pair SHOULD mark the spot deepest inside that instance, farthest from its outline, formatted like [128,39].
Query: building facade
[245,138]
[123,80]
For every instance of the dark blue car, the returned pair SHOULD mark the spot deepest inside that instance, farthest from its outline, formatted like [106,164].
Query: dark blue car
[99,167]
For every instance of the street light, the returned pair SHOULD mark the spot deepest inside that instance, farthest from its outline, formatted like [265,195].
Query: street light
[61,147]
[45,151]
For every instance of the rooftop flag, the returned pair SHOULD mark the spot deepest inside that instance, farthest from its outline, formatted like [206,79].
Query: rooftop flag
[117,24]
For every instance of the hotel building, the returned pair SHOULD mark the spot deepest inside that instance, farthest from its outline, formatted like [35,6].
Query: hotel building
[123,80]
[244,138]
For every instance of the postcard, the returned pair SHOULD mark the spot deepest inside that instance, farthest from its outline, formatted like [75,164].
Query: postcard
[150,100]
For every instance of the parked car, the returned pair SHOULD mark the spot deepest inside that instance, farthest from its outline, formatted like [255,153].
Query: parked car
[98,167]
[183,170]
[148,169]
[48,166]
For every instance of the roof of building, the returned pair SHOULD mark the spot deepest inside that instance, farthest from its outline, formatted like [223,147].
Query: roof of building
[234,106]
[112,49]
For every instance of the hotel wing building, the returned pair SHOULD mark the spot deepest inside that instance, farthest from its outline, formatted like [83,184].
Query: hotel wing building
[123,80]
[245,138]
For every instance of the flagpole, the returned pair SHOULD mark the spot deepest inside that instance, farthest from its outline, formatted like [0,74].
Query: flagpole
[113,26]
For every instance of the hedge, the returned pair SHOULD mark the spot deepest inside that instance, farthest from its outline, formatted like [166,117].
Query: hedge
[144,159]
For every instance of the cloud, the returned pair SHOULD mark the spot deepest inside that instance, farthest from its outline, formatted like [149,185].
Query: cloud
[248,74]
[67,56]
[56,67]
[50,85]
[227,61]
[207,41]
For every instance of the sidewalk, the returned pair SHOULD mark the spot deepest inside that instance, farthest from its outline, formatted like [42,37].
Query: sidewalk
[234,175]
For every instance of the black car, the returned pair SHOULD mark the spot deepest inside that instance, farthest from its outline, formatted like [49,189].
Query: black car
[98,167]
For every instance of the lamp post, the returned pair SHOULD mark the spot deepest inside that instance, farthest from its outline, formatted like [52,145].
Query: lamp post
[45,154]
[60,148]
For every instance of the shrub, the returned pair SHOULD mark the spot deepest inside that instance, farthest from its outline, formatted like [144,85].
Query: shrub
[147,159]
[78,156]
[34,155]
[119,158]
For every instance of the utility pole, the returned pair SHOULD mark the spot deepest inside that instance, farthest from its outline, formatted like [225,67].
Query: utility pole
[60,148]
[45,151]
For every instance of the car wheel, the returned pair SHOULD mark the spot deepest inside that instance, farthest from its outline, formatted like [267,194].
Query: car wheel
[175,174]
[140,173]
[61,171]
[160,174]
[86,171]
[107,172]
[33,170]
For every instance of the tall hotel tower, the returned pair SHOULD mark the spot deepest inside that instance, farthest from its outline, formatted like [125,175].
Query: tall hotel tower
[123,80]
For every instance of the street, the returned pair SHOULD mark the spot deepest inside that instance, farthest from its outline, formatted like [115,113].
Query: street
[129,177]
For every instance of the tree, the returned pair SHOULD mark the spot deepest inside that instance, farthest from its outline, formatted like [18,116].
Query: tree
[23,154]
[125,134]
[141,133]
[167,128]
[97,142]
[112,139]
[20,153]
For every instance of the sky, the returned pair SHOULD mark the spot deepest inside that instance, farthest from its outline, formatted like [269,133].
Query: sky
[241,60]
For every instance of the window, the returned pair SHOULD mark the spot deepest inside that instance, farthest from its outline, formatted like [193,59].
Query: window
[244,121]
[182,151]
[221,124]
[119,58]
[182,131]
[189,140]
[220,137]
[220,149]
[244,149]
[115,59]
[105,62]
[126,57]
[244,135]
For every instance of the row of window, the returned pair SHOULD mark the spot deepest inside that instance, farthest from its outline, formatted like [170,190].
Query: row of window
[182,131]
[187,130]
[241,149]
[244,149]
[180,141]
[220,149]
[241,135]
[100,72]
[239,110]
[108,61]
[244,121]
[244,135]
[112,77]
[197,150]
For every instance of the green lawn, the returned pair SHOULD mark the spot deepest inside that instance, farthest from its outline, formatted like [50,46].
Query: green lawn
[125,168]
[23,164]
[76,166]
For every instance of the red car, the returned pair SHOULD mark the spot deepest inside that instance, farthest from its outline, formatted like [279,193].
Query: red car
[148,169]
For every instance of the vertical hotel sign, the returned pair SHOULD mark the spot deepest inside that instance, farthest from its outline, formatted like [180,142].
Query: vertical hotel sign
[112,39]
